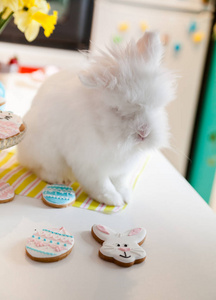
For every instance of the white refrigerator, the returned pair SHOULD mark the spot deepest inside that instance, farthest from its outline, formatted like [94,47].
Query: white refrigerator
[184,26]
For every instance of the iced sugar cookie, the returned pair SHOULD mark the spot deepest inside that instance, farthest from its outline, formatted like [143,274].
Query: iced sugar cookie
[10,125]
[122,249]
[6,192]
[58,195]
[49,245]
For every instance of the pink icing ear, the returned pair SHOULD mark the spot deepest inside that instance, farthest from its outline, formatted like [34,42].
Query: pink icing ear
[102,229]
[134,231]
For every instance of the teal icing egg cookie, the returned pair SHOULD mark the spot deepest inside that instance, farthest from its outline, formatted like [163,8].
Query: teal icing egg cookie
[58,195]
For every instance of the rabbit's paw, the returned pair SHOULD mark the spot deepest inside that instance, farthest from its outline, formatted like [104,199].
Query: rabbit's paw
[125,192]
[50,177]
[111,198]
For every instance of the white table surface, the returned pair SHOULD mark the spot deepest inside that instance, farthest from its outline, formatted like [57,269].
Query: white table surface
[181,228]
[180,246]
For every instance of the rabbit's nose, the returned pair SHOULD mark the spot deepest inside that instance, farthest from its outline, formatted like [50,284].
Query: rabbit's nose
[143,131]
[124,249]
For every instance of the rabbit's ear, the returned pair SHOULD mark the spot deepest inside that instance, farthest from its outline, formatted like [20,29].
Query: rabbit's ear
[102,233]
[150,47]
[137,234]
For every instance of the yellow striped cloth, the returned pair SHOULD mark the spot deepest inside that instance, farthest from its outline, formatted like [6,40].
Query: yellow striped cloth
[27,184]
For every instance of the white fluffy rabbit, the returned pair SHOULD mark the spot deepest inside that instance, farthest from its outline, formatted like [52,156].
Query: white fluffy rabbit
[96,126]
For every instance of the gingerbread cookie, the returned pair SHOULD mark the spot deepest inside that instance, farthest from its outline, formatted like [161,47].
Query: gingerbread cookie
[10,125]
[58,195]
[122,249]
[49,245]
[6,192]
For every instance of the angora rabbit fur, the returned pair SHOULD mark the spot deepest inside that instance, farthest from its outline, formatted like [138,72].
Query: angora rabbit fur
[97,125]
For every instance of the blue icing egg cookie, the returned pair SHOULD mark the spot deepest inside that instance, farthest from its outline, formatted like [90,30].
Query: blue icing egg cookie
[58,195]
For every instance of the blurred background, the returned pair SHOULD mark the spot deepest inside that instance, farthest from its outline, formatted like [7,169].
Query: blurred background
[187,31]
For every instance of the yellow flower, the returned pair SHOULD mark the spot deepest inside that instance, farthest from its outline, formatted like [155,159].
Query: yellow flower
[42,5]
[31,15]
[7,7]
[47,22]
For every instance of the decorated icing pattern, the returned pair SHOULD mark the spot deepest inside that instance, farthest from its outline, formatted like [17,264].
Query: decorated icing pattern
[48,243]
[6,191]
[9,124]
[9,116]
[122,249]
[8,129]
[59,194]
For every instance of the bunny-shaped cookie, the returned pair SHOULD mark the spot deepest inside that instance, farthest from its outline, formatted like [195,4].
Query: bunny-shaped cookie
[122,249]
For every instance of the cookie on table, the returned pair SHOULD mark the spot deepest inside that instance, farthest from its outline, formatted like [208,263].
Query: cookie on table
[58,195]
[49,245]
[10,125]
[123,249]
[6,192]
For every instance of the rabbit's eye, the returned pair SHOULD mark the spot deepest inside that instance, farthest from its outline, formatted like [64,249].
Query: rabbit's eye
[118,245]
[125,245]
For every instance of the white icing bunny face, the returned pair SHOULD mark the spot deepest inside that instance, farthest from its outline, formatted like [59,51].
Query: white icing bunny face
[122,249]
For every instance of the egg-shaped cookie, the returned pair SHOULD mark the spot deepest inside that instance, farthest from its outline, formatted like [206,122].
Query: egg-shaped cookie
[10,124]
[58,195]
[6,192]
[12,129]
[49,245]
